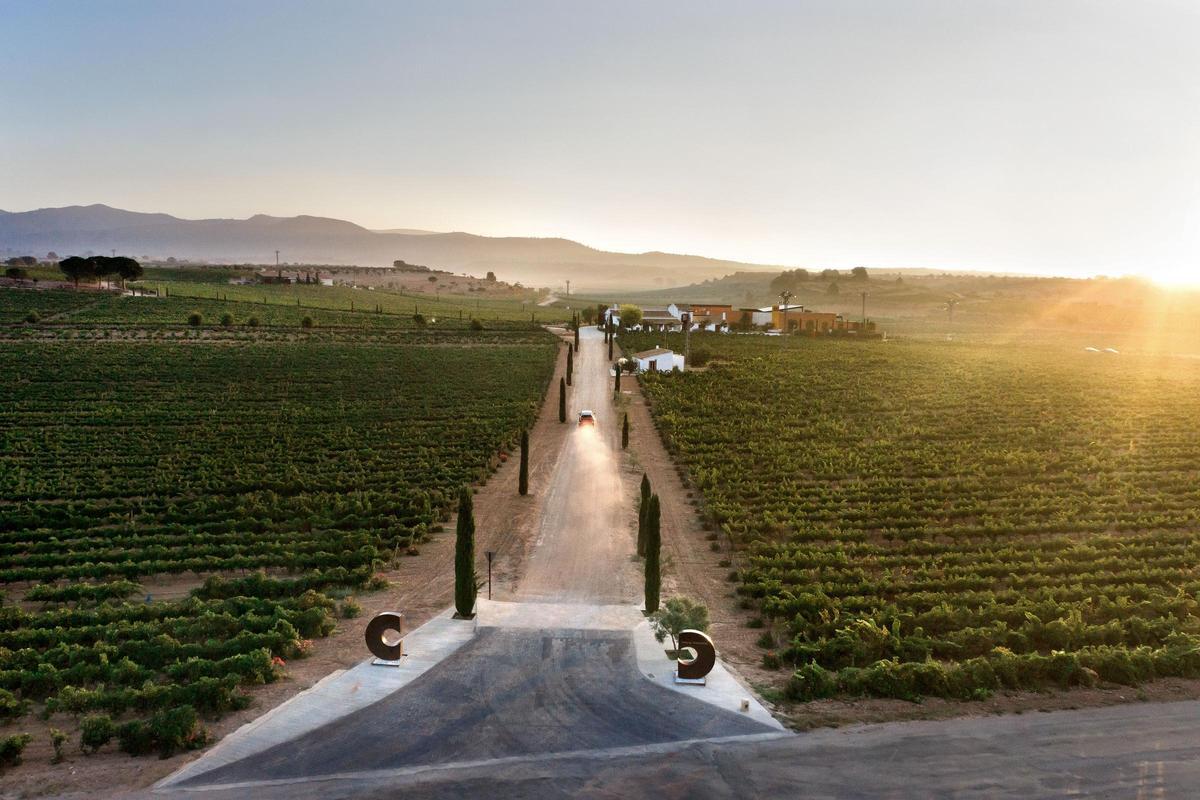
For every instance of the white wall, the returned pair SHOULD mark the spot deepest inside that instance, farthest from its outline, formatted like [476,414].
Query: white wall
[664,363]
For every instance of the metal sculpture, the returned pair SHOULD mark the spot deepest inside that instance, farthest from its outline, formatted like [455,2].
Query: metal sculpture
[693,670]
[376,628]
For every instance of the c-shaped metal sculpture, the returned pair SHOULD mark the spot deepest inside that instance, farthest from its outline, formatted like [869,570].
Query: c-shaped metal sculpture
[385,621]
[694,669]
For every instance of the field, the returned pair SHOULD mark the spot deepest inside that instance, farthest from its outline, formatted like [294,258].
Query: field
[447,309]
[271,306]
[282,472]
[948,519]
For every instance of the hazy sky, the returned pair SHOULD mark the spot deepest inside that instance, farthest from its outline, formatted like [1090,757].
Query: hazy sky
[1058,137]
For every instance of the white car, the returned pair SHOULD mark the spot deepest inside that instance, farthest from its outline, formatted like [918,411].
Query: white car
[586,417]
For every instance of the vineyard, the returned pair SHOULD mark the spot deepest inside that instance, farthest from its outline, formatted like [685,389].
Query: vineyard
[270,306]
[280,473]
[942,519]
[448,308]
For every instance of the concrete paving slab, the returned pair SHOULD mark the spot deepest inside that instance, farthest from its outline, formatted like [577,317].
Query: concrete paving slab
[557,616]
[336,695]
[722,689]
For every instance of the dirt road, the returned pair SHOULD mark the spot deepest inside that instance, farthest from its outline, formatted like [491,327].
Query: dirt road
[584,549]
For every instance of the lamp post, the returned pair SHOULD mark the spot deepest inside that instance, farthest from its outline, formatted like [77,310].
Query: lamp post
[490,555]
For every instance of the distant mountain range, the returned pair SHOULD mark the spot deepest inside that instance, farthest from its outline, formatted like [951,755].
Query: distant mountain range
[75,230]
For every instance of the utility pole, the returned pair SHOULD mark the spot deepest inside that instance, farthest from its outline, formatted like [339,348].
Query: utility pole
[785,296]
[278,271]
[568,287]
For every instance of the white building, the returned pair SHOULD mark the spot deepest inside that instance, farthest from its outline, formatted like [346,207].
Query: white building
[659,359]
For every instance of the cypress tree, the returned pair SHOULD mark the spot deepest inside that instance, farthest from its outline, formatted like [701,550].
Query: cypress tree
[625,431]
[643,504]
[617,384]
[577,332]
[653,552]
[570,363]
[523,480]
[562,400]
[610,345]
[464,555]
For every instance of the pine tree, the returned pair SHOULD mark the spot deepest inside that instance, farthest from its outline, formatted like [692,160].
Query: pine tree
[653,554]
[625,431]
[464,556]
[523,480]
[562,400]
[570,363]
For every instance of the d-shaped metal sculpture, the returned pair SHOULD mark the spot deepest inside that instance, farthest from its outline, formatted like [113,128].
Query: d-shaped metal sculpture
[386,621]
[694,669]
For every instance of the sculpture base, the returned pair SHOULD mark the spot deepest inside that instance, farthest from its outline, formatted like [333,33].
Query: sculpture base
[383,662]
[691,681]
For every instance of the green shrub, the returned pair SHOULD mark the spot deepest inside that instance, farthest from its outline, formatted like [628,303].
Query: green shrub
[226,319]
[10,706]
[33,317]
[476,325]
[134,738]
[11,748]
[95,731]
[810,682]
[166,732]
[176,729]
[307,322]
[58,738]
[194,319]
[252,322]
[350,609]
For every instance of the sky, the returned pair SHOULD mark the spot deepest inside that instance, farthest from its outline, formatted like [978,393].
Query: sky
[1051,136]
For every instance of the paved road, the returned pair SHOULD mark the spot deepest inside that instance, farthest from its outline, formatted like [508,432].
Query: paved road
[584,550]
[1141,751]
[508,693]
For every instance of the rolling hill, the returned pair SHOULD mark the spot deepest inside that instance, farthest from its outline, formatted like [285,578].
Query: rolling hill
[307,239]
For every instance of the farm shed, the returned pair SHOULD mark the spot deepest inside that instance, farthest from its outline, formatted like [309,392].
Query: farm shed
[658,359]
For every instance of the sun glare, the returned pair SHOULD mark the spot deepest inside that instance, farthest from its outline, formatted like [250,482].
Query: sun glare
[1177,278]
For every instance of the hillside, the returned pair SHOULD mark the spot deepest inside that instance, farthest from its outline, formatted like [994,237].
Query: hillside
[1118,311]
[532,261]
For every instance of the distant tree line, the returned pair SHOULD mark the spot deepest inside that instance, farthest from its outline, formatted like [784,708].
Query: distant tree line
[97,268]
[793,279]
